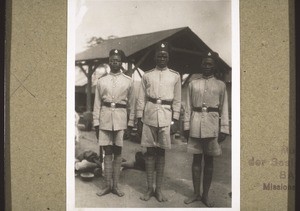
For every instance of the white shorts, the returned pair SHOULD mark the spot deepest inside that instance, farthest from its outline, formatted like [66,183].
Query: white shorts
[156,137]
[107,137]
[206,146]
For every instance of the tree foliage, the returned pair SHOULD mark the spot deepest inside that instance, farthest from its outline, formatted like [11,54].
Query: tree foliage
[93,41]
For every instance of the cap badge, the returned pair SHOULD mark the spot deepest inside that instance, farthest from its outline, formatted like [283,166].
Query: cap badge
[162,45]
[209,54]
[116,51]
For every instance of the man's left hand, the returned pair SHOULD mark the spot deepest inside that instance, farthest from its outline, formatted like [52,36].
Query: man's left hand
[222,137]
[97,131]
[174,127]
[139,126]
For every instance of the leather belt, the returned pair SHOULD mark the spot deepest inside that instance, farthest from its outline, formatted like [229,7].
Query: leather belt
[159,101]
[114,105]
[205,109]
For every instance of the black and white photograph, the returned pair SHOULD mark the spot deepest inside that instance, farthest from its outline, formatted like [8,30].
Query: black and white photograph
[153,104]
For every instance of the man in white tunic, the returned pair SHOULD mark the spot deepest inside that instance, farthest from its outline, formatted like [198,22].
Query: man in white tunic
[205,123]
[158,106]
[114,95]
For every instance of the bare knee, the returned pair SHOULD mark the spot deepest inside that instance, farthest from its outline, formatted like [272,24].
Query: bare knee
[117,150]
[160,152]
[197,159]
[208,161]
[150,151]
[108,150]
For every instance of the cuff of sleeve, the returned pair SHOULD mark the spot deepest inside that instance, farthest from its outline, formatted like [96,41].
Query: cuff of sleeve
[186,126]
[96,123]
[225,129]
[139,114]
[131,117]
[176,115]
[131,123]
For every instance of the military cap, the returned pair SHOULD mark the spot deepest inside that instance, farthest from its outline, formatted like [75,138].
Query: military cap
[212,55]
[162,46]
[117,52]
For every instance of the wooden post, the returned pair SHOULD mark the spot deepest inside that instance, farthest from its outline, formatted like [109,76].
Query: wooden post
[89,89]
[91,69]
[129,70]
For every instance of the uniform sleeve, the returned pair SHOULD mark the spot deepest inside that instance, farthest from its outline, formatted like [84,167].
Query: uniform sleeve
[131,105]
[176,105]
[97,105]
[141,101]
[187,108]
[224,127]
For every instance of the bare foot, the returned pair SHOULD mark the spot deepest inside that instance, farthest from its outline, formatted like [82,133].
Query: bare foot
[207,202]
[192,199]
[104,191]
[118,192]
[159,196]
[147,195]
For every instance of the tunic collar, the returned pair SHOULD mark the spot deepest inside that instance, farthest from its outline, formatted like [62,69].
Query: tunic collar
[207,77]
[115,74]
[161,69]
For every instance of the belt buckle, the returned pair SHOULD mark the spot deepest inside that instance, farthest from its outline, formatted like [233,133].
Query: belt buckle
[158,101]
[204,109]
[113,105]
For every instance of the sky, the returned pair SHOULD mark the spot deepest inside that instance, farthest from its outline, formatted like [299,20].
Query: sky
[209,19]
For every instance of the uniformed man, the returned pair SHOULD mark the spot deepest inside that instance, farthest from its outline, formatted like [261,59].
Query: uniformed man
[157,105]
[114,94]
[205,121]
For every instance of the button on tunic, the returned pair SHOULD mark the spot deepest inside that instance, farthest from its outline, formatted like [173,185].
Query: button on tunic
[206,92]
[163,84]
[114,88]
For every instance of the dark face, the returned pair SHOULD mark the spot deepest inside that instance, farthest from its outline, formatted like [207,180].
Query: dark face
[208,66]
[115,63]
[162,59]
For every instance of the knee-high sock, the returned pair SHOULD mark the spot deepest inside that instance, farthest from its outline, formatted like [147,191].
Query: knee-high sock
[116,170]
[160,167]
[150,167]
[108,169]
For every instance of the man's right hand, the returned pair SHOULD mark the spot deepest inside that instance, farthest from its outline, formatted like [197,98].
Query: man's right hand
[97,131]
[139,126]
[186,134]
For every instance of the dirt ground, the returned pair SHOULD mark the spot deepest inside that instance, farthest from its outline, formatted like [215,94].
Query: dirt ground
[177,181]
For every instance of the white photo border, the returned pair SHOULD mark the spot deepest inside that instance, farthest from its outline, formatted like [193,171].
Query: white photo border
[70,114]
